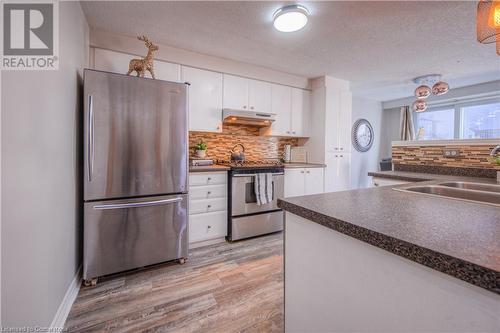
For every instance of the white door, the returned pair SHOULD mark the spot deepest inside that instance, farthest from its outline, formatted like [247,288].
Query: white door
[281,98]
[205,99]
[117,62]
[314,181]
[344,124]
[259,96]
[300,107]
[294,182]
[235,94]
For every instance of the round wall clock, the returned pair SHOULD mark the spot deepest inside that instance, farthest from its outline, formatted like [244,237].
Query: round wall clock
[362,135]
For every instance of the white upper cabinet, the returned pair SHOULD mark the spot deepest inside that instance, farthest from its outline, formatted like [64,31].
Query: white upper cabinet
[338,136]
[259,96]
[235,92]
[281,105]
[246,94]
[301,100]
[205,99]
[117,62]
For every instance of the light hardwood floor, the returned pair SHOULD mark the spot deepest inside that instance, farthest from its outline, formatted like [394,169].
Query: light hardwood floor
[222,288]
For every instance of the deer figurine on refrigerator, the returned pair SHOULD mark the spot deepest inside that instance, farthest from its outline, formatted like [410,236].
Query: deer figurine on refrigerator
[140,66]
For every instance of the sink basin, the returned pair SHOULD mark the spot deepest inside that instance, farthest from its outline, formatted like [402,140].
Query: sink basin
[487,197]
[473,186]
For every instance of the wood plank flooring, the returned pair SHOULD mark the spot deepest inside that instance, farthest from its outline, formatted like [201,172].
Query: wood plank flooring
[225,287]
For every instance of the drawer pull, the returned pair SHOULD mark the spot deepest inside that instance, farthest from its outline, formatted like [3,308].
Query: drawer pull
[209,226]
[209,178]
[209,192]
[209,206]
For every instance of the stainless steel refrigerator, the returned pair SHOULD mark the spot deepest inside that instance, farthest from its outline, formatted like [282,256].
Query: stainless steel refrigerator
[136,169]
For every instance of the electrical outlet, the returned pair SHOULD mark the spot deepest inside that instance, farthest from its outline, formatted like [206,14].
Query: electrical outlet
[451,153]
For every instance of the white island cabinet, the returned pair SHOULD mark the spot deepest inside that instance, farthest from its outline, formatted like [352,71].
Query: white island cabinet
[336,283]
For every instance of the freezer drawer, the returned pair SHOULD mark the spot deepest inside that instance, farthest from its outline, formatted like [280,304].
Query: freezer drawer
[125,234]
[255,225]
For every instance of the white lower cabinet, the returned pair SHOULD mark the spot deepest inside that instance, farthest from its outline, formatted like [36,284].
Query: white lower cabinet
[207,207]
[303,181]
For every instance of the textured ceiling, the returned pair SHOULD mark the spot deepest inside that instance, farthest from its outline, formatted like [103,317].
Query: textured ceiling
[377,45]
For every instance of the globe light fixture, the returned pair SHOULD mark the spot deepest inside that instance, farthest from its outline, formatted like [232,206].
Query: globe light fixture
[290,18]
[440,88]
[419,105]
[422,91]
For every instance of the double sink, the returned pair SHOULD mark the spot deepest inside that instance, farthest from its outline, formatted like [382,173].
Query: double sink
[467,191]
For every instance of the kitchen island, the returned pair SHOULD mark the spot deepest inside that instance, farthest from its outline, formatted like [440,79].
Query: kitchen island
[384,260]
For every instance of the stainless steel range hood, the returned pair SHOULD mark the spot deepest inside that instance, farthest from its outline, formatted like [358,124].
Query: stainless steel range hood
[252,118]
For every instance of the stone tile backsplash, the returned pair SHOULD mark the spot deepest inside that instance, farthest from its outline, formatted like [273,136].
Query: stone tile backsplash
[471,156]
[256,147]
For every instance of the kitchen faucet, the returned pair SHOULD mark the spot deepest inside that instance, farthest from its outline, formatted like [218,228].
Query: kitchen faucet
[495,151]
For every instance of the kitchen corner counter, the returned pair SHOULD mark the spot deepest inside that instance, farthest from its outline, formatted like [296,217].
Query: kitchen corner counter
[208,168]
[457,238]
[303,165]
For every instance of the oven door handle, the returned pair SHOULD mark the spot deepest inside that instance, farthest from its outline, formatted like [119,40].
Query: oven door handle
[254,174]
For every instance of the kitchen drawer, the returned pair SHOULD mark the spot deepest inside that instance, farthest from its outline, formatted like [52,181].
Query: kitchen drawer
[207,226]
[208,192]
[202,178]
[207,205]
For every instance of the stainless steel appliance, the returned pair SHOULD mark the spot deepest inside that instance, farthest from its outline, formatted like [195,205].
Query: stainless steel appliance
[245,117]
[246,218]
[136,173]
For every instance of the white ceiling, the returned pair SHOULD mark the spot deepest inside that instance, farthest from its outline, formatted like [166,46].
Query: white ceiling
[377,45]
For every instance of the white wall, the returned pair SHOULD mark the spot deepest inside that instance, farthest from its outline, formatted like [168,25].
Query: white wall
[362,163]
[41,218]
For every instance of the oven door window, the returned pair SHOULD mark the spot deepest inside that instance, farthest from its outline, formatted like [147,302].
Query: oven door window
[250,192]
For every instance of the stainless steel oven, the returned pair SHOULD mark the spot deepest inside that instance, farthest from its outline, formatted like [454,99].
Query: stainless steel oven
[246,218]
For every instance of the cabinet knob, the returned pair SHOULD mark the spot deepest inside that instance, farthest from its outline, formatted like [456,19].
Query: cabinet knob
[209,226]
[209,178]
[341,148]
[293,132]
[244,106]
[341,155]
[287,132]
[302,171]
[209,206]
[336,155]
[308,171]
[208,193]
[251,108]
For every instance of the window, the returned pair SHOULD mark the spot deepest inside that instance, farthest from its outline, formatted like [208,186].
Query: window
[475,120]
[435,125]
[480,121]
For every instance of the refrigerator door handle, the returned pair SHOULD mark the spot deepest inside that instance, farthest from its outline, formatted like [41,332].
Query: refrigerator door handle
[139,204]
[90,139]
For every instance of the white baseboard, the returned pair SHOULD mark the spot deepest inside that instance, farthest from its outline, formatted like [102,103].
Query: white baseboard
[67,302]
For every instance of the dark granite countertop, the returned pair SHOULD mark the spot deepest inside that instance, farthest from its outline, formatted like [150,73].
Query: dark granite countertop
[458,238]
[418,176]
[208,168]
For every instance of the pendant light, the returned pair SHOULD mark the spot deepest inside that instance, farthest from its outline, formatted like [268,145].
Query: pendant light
[488,21]
[423,90]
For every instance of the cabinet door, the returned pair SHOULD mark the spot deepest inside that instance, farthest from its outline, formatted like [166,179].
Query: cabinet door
[294,182]
[281,99]
[313,181]
[259,96]
[300,109]
[343,178]
[344,123]
[235,92]
[205,99]
[117,62]
[332,121]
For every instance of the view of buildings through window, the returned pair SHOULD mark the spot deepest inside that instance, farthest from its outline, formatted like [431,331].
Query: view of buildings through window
[466,121]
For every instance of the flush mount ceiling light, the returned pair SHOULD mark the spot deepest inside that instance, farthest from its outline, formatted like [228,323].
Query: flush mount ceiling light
[290,18]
